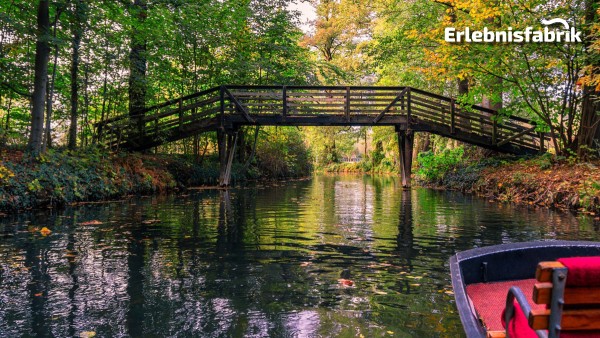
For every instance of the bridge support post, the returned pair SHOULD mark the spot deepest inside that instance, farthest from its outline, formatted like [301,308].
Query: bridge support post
[226,144]
[406,141]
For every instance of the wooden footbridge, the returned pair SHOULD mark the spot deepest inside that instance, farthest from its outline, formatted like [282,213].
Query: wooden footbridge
[225,109]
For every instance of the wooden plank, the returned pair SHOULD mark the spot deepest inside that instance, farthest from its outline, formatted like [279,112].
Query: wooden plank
[516,136]
[538,319]
[496,334]
[317,104]
[458,113]
[542,294]
[429,116]
[376,112]
[239,105]
[578,319]
[284,103]
[588,319]
[292,95]
[391,105]
[437,104]
[375,105]
[149,118]
[452,116]
[270,95]
[377,100]
[543,273]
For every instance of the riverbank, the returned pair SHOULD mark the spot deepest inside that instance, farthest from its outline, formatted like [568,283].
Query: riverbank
[60,178]
[539,181]
[361,168]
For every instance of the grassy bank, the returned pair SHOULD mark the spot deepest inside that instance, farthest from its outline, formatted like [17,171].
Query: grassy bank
[64,177]
[541,181]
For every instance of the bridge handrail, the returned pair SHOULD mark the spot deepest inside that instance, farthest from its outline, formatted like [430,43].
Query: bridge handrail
[254,101]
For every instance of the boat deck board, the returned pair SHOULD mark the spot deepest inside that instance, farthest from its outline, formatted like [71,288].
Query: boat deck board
[489,300]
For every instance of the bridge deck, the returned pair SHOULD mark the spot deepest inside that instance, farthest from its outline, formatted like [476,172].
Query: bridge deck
[229,107]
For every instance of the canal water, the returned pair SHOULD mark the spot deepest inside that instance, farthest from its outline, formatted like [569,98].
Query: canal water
[334,256]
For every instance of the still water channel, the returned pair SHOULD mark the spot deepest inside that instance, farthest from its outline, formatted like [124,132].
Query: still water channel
[259,261]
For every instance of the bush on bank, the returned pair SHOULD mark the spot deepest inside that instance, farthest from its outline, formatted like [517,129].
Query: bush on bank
[61,177]
[542,180]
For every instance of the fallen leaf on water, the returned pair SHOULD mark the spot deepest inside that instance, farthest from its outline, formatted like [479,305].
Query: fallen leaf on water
[94,222]
[346,282]
[45,231]
[87,334]
[38,294]
[390,332]
[415,284]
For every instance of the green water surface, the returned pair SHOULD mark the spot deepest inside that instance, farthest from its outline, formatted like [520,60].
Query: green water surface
[258,261]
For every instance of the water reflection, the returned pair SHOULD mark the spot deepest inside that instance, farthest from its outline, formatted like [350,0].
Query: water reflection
[255,262]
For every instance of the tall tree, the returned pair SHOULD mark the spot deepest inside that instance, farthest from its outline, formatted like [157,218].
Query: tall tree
[77,28]
[42,54]
[137,60]
[589,130]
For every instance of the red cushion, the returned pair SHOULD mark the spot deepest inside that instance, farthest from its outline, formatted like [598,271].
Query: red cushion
[583,271]
[519,326]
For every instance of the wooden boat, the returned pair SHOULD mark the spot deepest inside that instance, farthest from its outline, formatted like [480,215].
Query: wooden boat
[482,278]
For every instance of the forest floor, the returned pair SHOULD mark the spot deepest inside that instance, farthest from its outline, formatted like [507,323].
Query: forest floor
[540,181]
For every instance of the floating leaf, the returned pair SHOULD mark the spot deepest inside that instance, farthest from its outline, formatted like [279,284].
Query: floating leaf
[346,282]
[87,334]
[94,222]
[45,231]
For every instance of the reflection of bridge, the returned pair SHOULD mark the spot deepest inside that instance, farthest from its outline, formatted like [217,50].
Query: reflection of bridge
[225,109]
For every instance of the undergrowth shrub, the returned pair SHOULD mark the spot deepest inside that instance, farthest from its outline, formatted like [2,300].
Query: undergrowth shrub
[61,177]
[433,167]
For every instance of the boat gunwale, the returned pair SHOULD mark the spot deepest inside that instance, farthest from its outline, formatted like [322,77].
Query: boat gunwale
[471,324]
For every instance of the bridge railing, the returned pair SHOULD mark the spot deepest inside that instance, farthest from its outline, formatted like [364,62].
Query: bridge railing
[315,100]
[160,122]
[207,110]
[417,105]
[476,120]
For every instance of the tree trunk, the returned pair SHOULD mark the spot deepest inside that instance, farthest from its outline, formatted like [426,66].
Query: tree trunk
[86,104]
[589,129]
[76,42]
[4,135]
[137,64]
[40,82]
[50,97]
[8,109]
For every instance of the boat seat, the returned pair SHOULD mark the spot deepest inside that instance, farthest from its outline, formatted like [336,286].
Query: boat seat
[569,289]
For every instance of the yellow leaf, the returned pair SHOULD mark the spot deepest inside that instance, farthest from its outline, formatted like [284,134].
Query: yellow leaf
[45,231]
